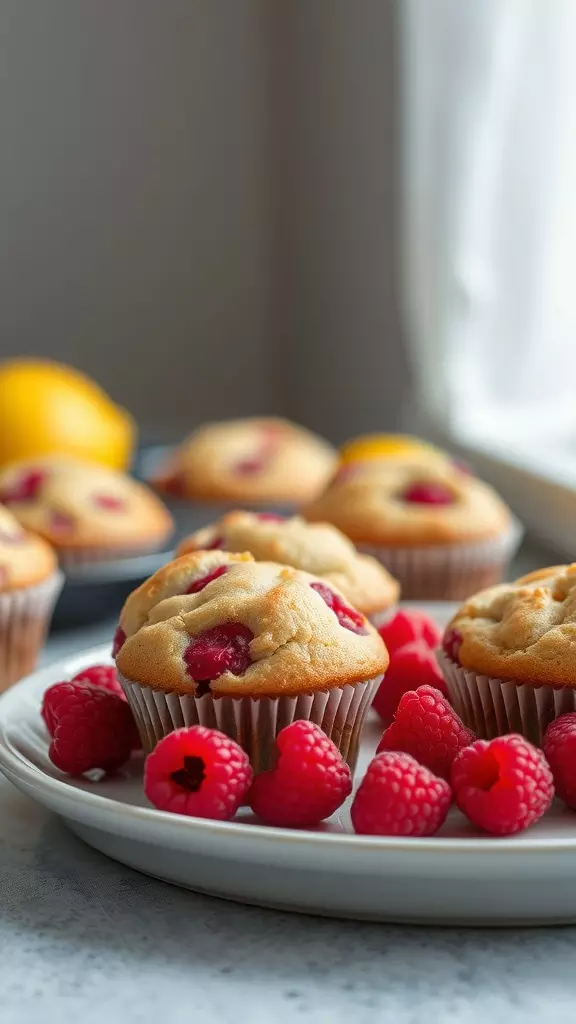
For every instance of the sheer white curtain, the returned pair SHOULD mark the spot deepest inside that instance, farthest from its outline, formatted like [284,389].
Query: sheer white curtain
[489,226]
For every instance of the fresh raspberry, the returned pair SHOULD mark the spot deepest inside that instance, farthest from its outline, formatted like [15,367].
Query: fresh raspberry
[426,726]
[92,728]
[25,488]
[216,545]
[347,616]
[105,676]
[109,502]
[399,797]
[118,641]
[197,771]
[270,517]
[451,643]
[559,746]
[224,648]
[502,785]
[309,783]
[428,494]
[410,666]
[203,581]
[406,627]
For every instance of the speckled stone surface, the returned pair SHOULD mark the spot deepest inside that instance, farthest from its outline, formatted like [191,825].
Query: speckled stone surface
[85,939]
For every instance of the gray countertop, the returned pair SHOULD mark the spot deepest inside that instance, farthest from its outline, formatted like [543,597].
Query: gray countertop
[84,938]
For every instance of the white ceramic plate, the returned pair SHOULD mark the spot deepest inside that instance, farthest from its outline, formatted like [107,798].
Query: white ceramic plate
[455,877]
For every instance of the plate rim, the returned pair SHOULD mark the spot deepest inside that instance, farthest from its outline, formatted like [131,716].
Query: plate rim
[15,766]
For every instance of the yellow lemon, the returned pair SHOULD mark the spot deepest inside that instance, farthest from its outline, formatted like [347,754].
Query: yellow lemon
[48,408]
[385,446]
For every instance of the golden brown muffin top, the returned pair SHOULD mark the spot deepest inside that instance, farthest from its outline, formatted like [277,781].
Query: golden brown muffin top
[523,631]
[317,548]
[220,623]
[410,503]
[76,504]
[25,559]
[249,460]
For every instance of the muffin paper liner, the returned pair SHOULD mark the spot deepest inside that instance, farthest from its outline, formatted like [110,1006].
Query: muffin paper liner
[254,722]
[24,619]
[493,707]
[77,558]
[449,572]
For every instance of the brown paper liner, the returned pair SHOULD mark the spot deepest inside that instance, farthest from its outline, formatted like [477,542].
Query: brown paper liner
[254,722]
[24,619]
[449,572]
[493,707]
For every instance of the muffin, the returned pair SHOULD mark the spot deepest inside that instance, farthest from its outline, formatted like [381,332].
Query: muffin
[441,532]
[249,461]
[508,654]
[246,647]
[29,586]
[317,548]
[88,512]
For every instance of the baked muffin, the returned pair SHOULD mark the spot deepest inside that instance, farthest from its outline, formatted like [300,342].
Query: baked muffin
[249,461]
[441,532]
[318,548]
[246,647]
[508,654]
[29,586]
[88,512]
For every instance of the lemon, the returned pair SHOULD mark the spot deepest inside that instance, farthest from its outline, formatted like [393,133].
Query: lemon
[48,408]
[385,446]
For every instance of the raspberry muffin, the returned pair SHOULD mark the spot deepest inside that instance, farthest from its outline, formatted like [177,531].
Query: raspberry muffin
[88,512]
[250,461]
[508,654]
[29,586]
[441,532]
[246,647]
[318,548]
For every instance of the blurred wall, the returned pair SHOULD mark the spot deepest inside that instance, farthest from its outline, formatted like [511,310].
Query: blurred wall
[197,204]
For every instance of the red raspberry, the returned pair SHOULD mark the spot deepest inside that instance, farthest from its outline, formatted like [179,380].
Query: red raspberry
[118,641]
[560,751]
[399,797]
[309,783]
[109,502]
[502,785]
[347,616]
[203,581]
[60,521]
[406,627]
[101,675]
[428,494]
[224,648]
[197,771]
[427,727]
[251,466]
[25,488]
[410,667]
[451,643]
[92,728]
[216,545]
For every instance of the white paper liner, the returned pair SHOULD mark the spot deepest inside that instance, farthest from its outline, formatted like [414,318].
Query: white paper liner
[254,722]
[451,571]
[493,707]
[24,619]
[378,619]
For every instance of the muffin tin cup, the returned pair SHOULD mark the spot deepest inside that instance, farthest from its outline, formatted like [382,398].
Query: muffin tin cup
[449,572]
[493,707]
[24,619]
[254,722]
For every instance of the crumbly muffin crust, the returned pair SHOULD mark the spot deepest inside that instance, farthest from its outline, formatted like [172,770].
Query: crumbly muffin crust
[317,548]
[249,460]
[298,644]
[523,631]
[366,501]
[25,559]
[75,504]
